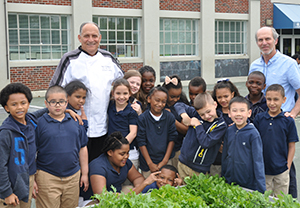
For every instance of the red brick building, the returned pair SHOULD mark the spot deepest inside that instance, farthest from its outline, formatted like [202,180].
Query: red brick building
[213,39]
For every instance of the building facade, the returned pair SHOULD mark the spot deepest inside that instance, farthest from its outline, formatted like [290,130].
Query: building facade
[208,38]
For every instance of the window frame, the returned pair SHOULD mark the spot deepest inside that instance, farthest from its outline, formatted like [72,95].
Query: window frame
[24,51]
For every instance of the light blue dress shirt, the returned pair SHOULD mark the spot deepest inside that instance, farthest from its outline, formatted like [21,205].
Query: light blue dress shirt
[283,70]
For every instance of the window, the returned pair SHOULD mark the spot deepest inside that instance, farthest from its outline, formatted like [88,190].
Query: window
[36,37]
[178,37]
[230,37]
[120,35]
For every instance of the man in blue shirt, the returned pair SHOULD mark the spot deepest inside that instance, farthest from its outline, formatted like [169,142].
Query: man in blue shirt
[277,68]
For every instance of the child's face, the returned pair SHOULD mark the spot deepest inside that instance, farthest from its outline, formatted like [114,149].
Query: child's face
[194,91]
[118,157]
[209,112]
[148,81]
[157,102]
[135,84]
[239,114]
[255,84]
[174,96]
[56,104]
[165,177]
[17,105]
[121,95]
[224,95]
[77,99]
[274,102]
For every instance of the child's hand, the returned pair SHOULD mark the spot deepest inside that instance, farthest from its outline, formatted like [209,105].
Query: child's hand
[151,178]
[178,181]
[12,200]
[35,190]
[135,106]
[195,122]
[83,115]
[186,120]
[153,167]
[84,180]
[221,148]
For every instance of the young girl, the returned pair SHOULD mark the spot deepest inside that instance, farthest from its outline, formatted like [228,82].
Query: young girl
[175,94]
[77,92]
[134,78]
[113,167]
[157,133]
[122,117]
[223,92]
[148,80]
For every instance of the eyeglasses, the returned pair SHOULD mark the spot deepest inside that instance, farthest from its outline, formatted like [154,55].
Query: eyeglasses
[53,103]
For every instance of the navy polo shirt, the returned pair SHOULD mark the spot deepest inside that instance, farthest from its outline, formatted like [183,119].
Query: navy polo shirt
[101,166]
[151,186]
[258,107]
[120,121]
[155,135]
[58,145]
[276,134]
[29,131]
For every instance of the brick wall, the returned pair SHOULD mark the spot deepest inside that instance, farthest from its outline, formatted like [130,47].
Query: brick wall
[180,5]
[126,66]
[49,2]
[232,6]
[35,77]
[128,4]
[266,11]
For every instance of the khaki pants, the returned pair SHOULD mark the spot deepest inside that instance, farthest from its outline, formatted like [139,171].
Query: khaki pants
[56,192]
[174,160]
[185,171]
[215,169]
[278,183]
[147,173]
[21,204]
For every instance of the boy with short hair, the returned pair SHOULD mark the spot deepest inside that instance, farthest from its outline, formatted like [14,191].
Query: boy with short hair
[256,82]
[61,152]
[204,136]
[242,158]
[196,85]
[278,134]
[167,174]
[17,147]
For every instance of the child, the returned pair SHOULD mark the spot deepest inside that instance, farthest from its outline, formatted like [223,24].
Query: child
[134,78]
[148,81]
[204,136]
[242,158]
[167,174]
[61,151]
[175,94]
[17,147]
[156,133]
[196,85]
[113,167]
[121,117]
[77,92]
[223,92]
[278,134]
[256,82]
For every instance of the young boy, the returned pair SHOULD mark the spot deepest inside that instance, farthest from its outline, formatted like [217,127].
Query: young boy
[278,134]
[204,136]
[17,147]
[61,151]
[242,158]
[256,82]
[196,85]
[167,174]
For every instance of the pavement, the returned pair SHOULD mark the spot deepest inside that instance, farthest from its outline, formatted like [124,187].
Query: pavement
[38,103]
